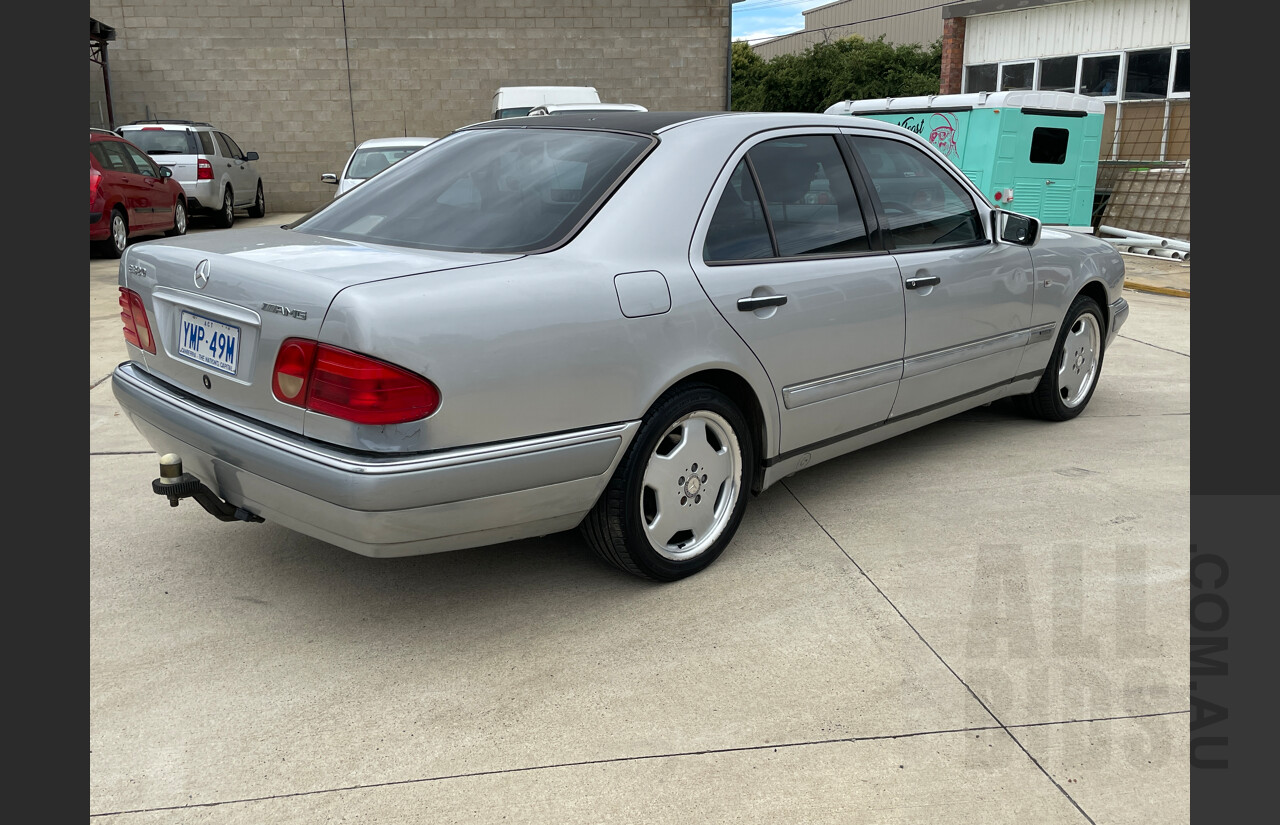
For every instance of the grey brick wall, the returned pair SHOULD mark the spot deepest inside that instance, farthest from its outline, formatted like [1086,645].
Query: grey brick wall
[274,73]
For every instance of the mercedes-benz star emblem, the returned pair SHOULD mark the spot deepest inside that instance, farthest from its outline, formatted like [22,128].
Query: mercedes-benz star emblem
[202,273]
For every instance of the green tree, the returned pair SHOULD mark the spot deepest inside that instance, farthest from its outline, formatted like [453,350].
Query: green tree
[851,68]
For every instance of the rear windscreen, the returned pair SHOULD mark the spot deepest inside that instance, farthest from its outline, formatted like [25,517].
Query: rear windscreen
[163,141]
[488,190]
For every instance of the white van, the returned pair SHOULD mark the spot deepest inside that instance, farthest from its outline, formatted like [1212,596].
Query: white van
[516,101]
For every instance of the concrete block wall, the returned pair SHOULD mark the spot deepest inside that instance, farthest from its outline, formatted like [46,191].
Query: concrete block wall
[300,82]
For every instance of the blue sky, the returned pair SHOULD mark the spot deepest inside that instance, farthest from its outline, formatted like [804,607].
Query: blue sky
[755,20]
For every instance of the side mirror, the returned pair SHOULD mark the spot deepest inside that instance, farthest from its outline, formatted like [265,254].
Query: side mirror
[1010,227]
[251,156]
[166,172]
[329,177]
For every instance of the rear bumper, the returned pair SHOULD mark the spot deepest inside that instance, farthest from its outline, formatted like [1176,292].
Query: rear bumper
[202,195]
[378,505]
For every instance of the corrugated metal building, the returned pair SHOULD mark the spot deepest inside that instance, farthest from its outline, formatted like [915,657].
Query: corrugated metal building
[1134,55]
[900,21]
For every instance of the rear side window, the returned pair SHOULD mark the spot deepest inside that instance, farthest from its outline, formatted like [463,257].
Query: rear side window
[163,141]
[809,196]
[486,190]
[924,205]
[738,231]
[206,143]
[809,199]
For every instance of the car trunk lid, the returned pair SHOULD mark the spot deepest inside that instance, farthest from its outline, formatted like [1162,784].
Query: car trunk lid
[220,305]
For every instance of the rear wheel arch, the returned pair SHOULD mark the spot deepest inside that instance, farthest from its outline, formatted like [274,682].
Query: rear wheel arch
[739,391]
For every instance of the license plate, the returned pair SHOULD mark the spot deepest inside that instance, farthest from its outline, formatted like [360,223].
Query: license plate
[210,342]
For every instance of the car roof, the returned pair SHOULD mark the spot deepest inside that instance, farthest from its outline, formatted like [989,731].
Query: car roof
[648,123]
[654,123]
[373,143]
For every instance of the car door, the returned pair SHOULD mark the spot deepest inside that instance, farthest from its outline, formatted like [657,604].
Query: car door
[790,259]
[968,299]
[124,177]
[244,181]
[155,205]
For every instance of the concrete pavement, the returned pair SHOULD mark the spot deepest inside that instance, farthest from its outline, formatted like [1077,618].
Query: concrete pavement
[983,621]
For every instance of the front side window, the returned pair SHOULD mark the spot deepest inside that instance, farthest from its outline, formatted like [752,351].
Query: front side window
[924,205]
[809,196]
[224,145]
[485,190]
[141,162]
[236,151]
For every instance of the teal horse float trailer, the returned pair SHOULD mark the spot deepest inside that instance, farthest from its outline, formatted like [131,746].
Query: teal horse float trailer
[1029,152]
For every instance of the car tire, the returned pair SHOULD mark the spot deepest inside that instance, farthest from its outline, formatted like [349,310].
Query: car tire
[678,496]
[118,240]
[259,207]
[1072,374]
[226,216]
[179,219]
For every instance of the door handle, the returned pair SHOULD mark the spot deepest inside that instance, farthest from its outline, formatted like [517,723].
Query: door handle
[930,280]
[760,302]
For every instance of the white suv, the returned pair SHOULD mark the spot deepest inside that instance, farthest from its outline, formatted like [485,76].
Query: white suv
[216,174]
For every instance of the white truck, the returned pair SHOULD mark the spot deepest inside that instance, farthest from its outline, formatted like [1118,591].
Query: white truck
[516,101]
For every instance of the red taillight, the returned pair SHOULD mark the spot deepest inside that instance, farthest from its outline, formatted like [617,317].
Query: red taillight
[204,169]
[95,180]
[349,386]
[137,330]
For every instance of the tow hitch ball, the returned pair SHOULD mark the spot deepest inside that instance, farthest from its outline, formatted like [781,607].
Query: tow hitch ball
[175,485]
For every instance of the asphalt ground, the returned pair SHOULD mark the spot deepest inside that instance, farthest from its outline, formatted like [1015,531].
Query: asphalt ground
[984,621]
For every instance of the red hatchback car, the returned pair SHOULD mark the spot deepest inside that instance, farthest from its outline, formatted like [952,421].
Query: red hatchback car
[129,195]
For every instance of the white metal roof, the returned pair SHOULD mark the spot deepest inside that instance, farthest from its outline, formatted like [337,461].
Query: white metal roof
[1064,101]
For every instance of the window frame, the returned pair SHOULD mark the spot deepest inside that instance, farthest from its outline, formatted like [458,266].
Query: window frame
[1035,74]
[870,217]
[1178,51]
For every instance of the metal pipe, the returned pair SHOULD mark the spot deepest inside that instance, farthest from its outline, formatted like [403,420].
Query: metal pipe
[1169,243]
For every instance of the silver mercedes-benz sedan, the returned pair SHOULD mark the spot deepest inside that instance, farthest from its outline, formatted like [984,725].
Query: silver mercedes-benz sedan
[626,323]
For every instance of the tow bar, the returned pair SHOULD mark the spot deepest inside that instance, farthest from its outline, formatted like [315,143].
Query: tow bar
[175,484]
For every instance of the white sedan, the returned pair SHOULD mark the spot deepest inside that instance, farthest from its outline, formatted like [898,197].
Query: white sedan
[371,157]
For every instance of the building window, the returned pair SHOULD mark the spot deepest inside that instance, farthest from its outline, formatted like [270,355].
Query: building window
[1058,74]
[1100,75]
[1017,76]
[1147,75]
[1181,73]
[980,78]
